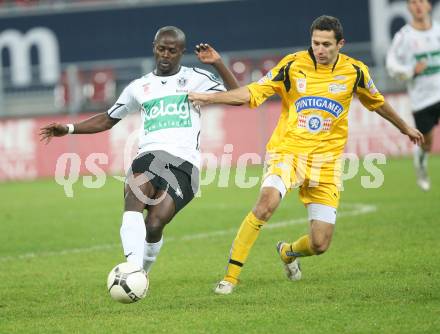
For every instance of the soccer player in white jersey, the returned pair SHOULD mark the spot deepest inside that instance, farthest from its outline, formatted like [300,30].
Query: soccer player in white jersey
[414,56]
[164,175]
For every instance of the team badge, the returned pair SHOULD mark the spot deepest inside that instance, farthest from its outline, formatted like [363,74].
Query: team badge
[301,85]
[314,123]
[182,81]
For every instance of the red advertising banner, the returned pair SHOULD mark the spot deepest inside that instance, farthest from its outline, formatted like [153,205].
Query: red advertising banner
[227,133]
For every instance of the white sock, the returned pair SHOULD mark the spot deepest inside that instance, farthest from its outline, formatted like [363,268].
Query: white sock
[151,250]
[424,159]
[133,233]
[420,158]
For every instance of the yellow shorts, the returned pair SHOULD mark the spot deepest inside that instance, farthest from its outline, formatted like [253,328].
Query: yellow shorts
[296,172]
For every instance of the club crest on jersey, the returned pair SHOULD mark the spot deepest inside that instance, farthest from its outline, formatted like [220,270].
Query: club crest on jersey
[314,123]
[319,103]
[182,81]
[301,85]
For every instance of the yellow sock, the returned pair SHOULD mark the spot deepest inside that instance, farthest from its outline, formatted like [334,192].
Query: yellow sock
[300,248]
[243,242]
[303,246]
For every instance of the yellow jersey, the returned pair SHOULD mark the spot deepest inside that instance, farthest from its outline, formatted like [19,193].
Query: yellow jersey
[315,102]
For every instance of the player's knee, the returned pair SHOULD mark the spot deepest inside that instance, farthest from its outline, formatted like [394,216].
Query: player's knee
[264,210]
[427,146]
[154,228]
[155,223]
[267,204]
[320,246]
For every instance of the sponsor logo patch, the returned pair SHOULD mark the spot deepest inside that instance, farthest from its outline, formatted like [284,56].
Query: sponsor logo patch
[372,87]
[283,166]
[337,88]
[314,123]
[319,103]
[146,88]
[265,78]
[167,112]
[214,77]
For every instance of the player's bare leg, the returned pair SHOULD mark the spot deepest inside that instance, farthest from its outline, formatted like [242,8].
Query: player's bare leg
[267,203]
[159,216]
[421,162]
[132,200]
[321,234]
[316,242]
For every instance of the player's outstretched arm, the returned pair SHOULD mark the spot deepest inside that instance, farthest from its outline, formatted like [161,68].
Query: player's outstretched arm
[235,97]
[387,112]
[208,55]
[94,124]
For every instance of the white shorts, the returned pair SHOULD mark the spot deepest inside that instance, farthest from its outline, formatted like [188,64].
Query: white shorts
[274,181]
[321,212]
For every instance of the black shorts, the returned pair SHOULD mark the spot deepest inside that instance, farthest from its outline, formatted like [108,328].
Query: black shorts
[167,172]
[427,118]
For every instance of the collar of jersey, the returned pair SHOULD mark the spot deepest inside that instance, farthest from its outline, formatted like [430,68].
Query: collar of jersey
[315,63]
[167,76]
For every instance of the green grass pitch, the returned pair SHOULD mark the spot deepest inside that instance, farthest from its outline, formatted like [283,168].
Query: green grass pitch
[381,274]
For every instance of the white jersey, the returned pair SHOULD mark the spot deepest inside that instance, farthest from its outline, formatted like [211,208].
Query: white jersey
[169,121]
[410,46]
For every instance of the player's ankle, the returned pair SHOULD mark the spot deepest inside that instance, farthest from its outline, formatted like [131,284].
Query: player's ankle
[231,280]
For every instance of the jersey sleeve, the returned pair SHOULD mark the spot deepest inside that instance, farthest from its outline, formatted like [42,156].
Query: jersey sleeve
[366,90]
[209,82]
[274,82]
[399,62]
[125,104]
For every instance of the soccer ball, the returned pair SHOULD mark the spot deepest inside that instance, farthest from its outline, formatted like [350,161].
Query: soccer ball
[127,283]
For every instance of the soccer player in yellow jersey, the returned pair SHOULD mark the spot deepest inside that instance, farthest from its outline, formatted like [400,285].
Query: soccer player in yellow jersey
[316,87]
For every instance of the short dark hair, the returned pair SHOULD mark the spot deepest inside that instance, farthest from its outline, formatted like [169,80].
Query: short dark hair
[328,23]
[172,30]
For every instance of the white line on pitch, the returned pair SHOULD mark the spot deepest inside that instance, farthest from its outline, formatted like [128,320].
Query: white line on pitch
[356,210]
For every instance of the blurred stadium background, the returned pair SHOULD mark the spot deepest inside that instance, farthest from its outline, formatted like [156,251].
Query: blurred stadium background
[63,60]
